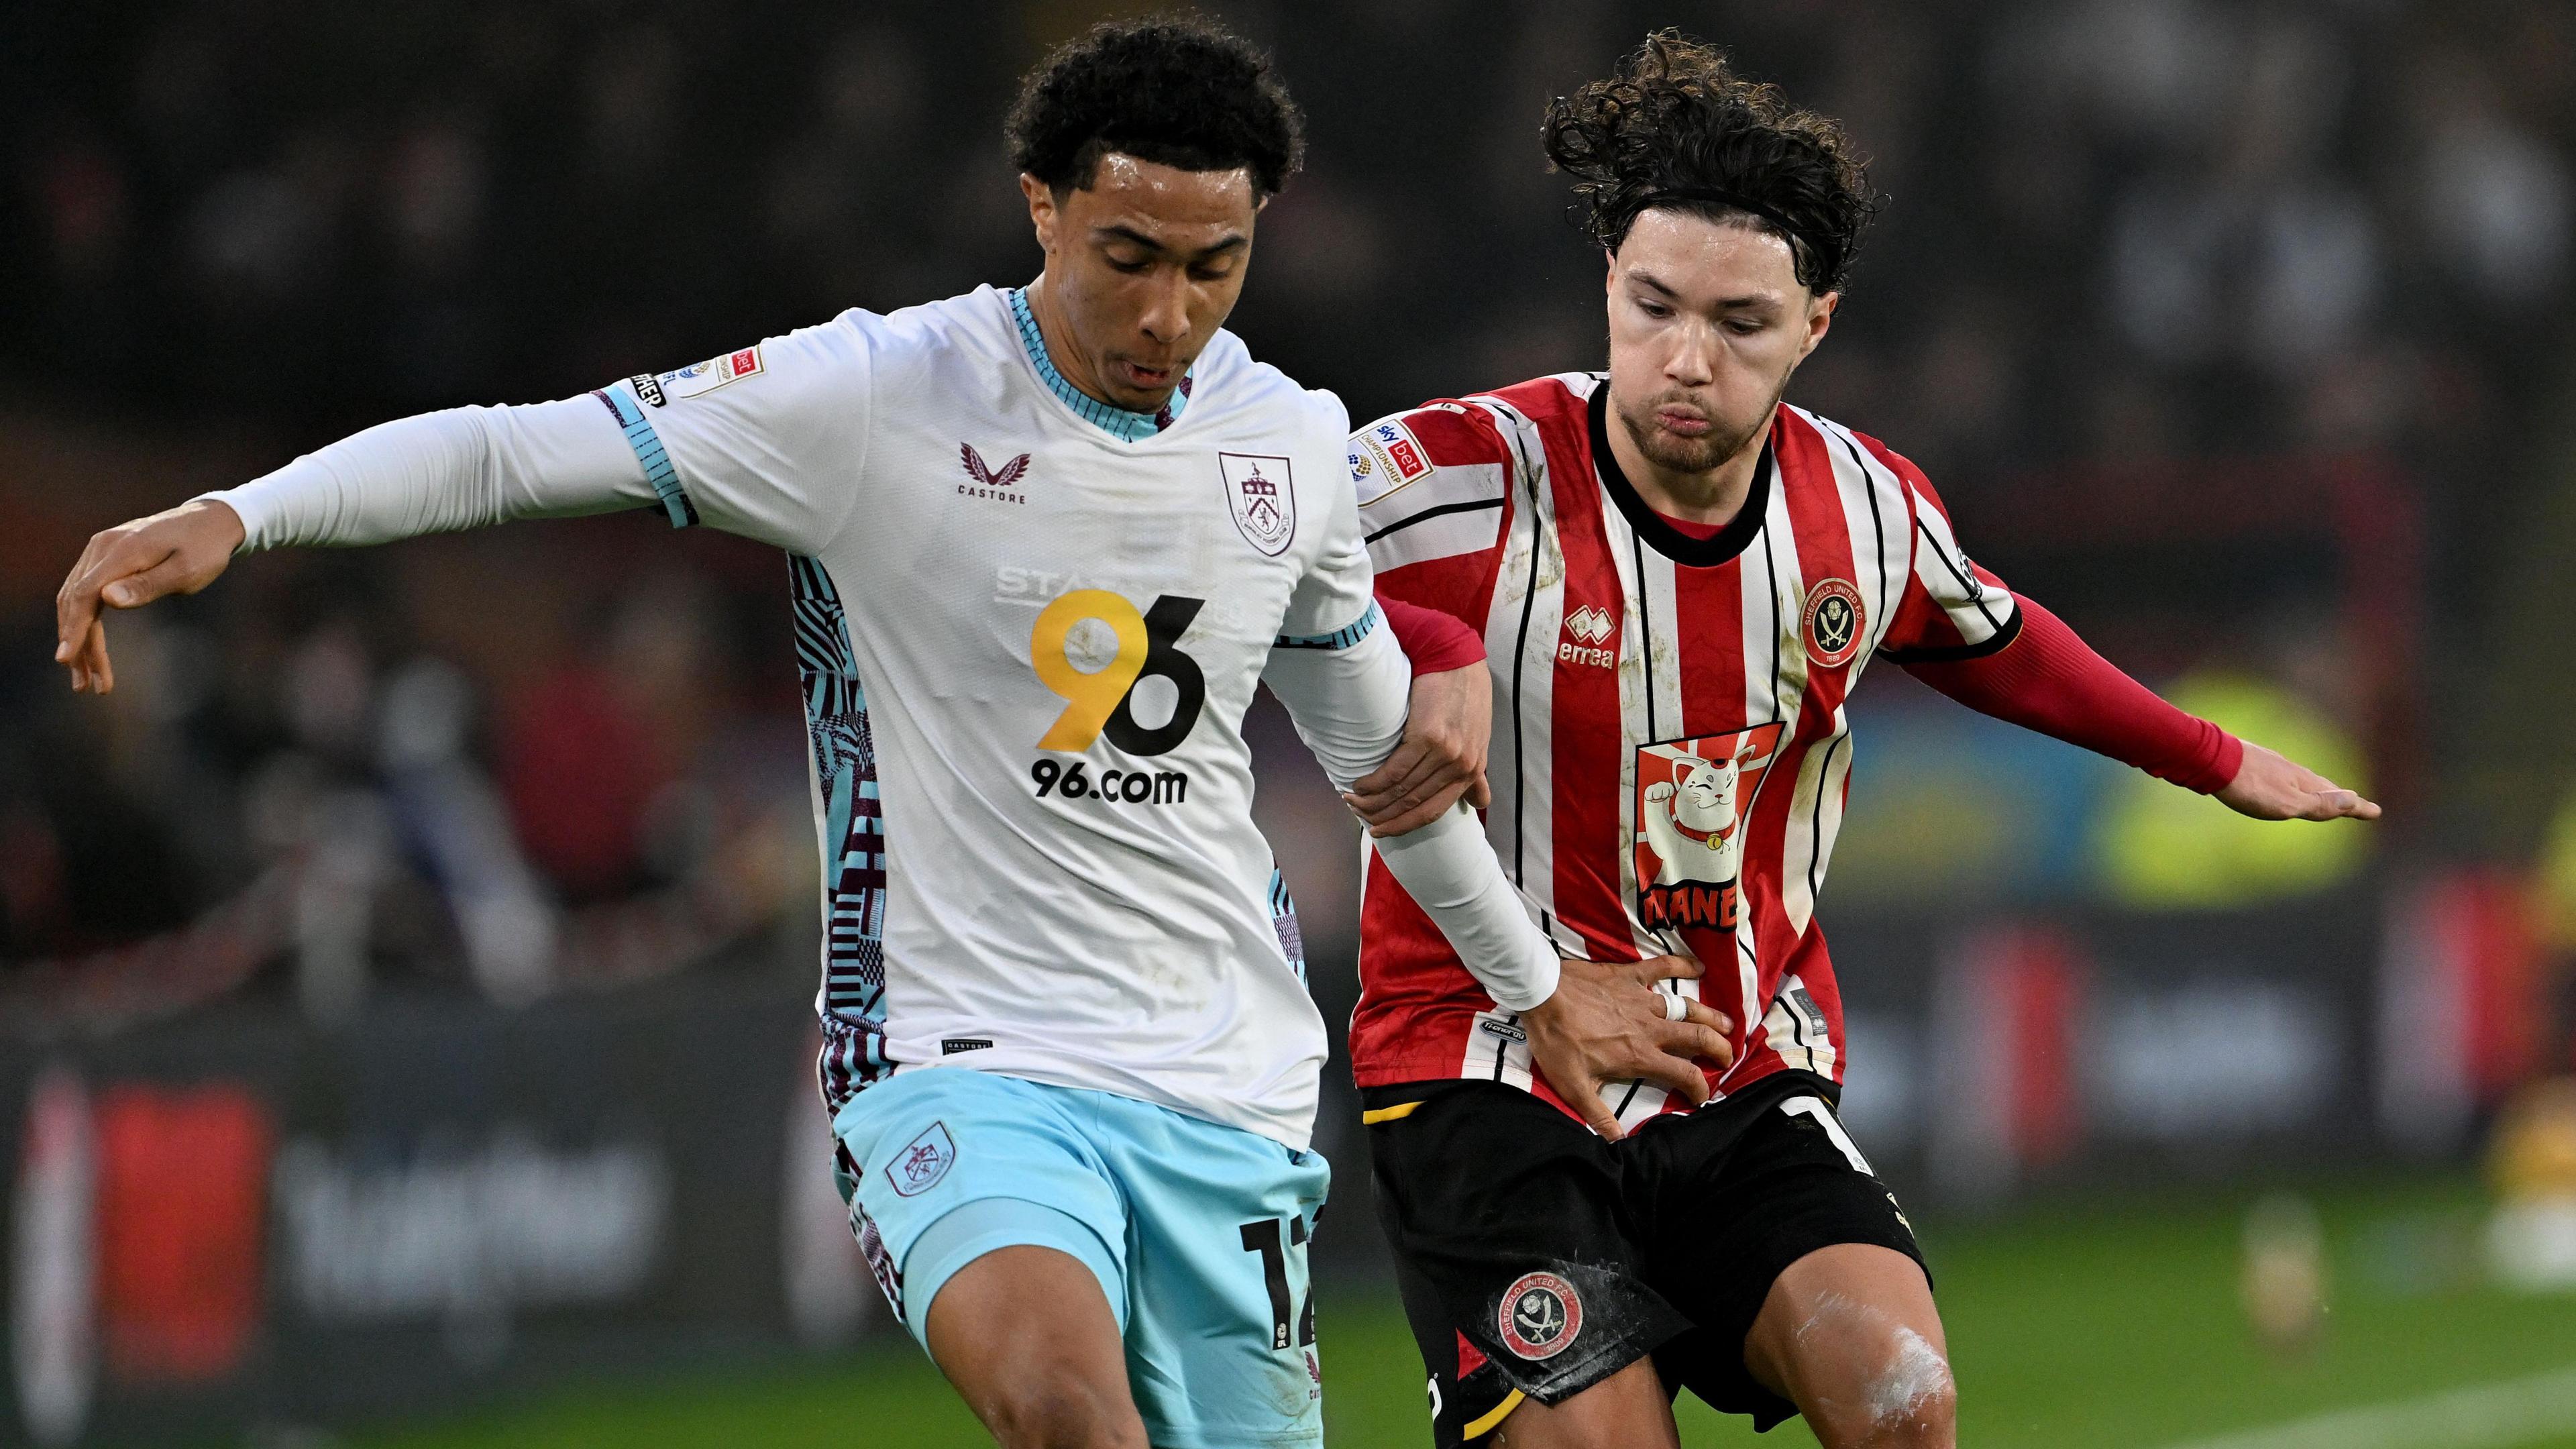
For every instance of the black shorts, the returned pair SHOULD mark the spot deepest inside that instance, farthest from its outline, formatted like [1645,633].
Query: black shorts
[1537,1259]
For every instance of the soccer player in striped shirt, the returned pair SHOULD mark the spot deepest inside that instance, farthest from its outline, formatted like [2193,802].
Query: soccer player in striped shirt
[1678,580]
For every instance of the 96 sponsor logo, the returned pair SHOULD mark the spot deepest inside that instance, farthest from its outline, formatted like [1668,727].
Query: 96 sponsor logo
[1119,787]
[1093,648]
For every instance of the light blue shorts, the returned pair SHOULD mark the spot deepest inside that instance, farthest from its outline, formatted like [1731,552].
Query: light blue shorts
[1196,1232]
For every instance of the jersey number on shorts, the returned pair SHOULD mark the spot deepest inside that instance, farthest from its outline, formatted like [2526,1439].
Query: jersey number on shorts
[1263,1238]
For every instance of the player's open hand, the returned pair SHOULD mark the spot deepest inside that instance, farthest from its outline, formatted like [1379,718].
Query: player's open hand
[1607,1024]
[176,552]
[2272,786]
[1442,756]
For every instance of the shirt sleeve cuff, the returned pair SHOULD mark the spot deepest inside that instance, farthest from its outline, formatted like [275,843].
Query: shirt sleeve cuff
[2215,765]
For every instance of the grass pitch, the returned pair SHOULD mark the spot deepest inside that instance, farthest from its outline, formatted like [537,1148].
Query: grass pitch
[2111,1327]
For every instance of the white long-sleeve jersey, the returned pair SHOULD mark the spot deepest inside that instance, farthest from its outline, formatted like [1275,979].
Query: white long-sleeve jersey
[1028,628]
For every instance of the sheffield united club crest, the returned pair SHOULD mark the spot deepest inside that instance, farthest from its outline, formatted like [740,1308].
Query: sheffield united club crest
[1693,797]
[1540,1316]
[1833,623]
[1262,497]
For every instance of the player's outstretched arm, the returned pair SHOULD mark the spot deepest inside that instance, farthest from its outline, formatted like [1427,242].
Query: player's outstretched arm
[2272,786]
[428,474]
[177,551]
[2047,679]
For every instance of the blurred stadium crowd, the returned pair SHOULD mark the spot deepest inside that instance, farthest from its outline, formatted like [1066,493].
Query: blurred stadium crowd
[2137,255]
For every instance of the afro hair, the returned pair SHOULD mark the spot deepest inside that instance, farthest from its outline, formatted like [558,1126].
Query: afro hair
[1174,90]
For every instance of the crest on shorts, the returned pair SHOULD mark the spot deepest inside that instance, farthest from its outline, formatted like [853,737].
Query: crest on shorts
[1540,1316]
[921,1163]
[1263,498]
[1833,623]
[1693,797]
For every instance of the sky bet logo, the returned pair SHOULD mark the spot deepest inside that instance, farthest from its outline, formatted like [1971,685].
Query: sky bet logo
[1100,696]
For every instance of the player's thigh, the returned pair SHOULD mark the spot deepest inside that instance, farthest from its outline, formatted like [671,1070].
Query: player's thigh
[1029,1340]
[1521,1280]
[1849,1333]
[951,1164]
[1221,1344]
[1748,1190]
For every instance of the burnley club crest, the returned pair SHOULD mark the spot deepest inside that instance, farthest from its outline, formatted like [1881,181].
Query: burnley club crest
[1262,498]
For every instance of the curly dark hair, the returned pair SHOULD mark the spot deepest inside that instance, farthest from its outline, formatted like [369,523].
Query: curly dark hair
[1675,126]
[1176,90]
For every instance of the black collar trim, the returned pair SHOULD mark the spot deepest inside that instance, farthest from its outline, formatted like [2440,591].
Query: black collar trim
[1662,537]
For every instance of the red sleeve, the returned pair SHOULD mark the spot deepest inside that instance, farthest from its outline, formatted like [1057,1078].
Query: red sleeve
[2049,680]
[1434,641]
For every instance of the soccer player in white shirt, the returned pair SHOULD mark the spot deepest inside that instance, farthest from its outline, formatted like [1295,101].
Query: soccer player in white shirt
[1045,543]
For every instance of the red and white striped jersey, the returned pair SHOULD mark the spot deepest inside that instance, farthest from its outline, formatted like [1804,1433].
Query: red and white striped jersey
[1671,753]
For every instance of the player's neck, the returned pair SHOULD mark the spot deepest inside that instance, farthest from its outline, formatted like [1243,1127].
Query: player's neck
[1715,496]
[1068,360]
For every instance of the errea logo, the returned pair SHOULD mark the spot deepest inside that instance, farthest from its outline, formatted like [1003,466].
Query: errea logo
[1587,629]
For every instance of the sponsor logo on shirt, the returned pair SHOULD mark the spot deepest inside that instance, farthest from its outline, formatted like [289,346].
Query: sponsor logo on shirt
[921,1163]
[648,388]
[951,1046]
[1384,458]
[700,378]
[1093,649]
[1262,497]
[1402,449]
[1693,797]
[991,482]
[1587,632]
[1833,623]
[1540,1316]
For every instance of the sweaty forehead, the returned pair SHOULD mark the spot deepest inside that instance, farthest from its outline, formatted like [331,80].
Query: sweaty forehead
[1702,260]
[1184,210]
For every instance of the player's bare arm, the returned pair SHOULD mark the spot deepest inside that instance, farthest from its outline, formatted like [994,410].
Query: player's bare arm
[177,551]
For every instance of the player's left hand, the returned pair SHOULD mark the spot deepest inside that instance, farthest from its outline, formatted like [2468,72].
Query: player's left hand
[1441,758]
[2272,786]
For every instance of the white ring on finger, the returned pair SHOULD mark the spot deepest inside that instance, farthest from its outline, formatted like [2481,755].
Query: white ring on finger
[1675,1007]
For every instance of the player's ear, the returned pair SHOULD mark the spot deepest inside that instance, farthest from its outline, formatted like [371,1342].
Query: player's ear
[1042,210]
[1820,320]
